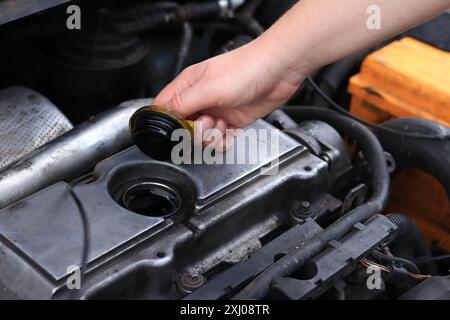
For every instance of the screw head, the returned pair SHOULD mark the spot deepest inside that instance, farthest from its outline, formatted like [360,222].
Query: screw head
[188,282]
[300,210]
[305,206]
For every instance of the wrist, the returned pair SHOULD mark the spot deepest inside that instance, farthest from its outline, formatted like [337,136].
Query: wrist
[289,42]
[282,62]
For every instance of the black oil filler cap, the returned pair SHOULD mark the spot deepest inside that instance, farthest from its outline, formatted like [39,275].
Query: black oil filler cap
[151,129]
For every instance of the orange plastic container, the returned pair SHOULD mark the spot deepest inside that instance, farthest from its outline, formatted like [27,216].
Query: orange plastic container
[408,78]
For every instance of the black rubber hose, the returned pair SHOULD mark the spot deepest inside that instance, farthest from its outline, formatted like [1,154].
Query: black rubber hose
[248,24]
[280,120]
[250,8]
[374,153]
[334,76]
[185,46]
[431,156]
[409,242]
[234,43]
[176,14]
[405,225]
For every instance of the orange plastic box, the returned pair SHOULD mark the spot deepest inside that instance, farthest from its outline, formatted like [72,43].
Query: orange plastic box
[408,78]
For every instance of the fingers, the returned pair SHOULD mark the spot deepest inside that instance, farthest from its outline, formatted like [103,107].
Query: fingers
[227,140]
[221,137]
[194,99]
[210,131]
[188,93]
[235,118]
[201,126]
[183,100]
[179,84]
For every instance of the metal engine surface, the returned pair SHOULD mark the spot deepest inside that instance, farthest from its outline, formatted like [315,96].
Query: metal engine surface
[27,121]
[226,213]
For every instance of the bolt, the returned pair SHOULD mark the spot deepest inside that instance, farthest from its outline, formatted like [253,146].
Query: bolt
[188,282]
[305,206]
[300,210]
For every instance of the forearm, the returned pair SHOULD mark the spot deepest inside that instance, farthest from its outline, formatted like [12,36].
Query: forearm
[318,32]
[238,87]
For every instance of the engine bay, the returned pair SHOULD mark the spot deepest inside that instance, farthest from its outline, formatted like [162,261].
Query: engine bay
[315,217]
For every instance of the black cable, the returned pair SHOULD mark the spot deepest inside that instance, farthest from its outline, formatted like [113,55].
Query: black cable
[408,265]
[185,46]
[343,111]
[258,288]
[424,260]
[85,225]
[250,8]
[249,24]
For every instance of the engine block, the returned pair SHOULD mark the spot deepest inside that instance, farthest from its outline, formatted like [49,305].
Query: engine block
[156,228]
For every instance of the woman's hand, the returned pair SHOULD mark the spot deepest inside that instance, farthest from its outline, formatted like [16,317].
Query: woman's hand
[234,89]
[231,90]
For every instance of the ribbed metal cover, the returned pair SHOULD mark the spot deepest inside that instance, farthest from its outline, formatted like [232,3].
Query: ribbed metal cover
[27,121]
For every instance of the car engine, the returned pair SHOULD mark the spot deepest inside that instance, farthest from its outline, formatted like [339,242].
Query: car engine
[82,207]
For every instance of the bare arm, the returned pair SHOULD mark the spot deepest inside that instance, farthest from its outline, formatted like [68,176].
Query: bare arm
[236,88]
[317,32]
